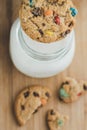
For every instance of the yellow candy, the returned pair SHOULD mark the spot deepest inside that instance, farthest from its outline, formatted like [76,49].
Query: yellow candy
[49,32]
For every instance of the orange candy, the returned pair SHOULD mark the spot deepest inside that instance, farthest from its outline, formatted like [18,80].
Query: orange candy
[43,101]
[48,13]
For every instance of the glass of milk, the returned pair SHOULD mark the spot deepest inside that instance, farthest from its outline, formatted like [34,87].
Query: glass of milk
[38,59]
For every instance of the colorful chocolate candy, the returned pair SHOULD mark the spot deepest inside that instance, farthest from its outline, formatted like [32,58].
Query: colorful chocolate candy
[79,94]
[63,93]
[60,122]
[57,20]
[74,11]
[49,32]
[48,13]
[31,3]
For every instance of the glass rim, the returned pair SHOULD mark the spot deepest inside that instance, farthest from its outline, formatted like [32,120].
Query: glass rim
[40,55]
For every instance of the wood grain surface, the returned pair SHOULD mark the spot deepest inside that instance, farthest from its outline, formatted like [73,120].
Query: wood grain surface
[12,81]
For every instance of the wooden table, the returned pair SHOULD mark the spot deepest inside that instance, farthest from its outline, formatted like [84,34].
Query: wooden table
[12,81]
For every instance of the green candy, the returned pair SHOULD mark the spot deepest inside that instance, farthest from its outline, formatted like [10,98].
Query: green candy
[63,93]
[60,122]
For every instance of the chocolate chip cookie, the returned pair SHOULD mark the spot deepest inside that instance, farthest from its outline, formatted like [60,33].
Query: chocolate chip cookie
[47,20]
[71,90]
[55,120]
[29,101]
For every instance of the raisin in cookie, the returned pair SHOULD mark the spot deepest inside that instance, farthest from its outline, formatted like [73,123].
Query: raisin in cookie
[47,20]
[55,120]
[29,101]
[71,90]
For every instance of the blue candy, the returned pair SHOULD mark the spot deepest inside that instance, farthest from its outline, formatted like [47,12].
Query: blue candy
[31,3]
[74,11]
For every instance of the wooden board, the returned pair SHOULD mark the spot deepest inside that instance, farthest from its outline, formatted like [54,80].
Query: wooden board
[12,81]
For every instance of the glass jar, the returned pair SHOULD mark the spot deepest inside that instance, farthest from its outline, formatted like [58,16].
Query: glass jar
[38,59]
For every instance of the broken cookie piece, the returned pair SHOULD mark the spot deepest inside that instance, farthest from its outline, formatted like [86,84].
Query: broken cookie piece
[55,120]
[29,101]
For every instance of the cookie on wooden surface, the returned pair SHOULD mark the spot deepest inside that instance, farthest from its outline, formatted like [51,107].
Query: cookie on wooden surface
[55,120]
[71,89]
[29,101]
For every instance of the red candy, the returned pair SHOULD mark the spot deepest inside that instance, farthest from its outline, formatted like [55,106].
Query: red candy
[57,20]
[79,94]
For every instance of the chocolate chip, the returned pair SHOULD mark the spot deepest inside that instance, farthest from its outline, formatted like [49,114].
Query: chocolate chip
[27,4]
[52,112]
[49,120]
[47,94]
[85,87]
[40,106]
[35,111]
[35,94]
[60,99]
[61,4]
[43,24]
[26,94]
[70,24]
[64,83]
[55,1]
[22,2]
[24,7]
[26,29]
[52,1]
[67,32]
[38,38]
[37,11]
[22,107]
[64,34]
[41,32]
[54,13]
